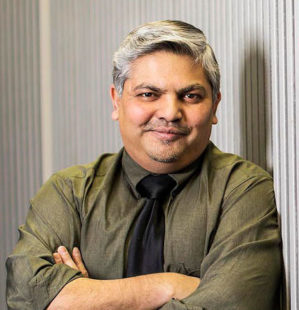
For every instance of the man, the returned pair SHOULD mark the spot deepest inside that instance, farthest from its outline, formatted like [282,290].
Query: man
[209,241]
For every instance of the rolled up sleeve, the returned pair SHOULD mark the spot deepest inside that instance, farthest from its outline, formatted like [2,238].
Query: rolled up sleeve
[33,278]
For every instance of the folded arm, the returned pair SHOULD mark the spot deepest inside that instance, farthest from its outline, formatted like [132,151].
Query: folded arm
[142,292]
[35,282]
[242,269]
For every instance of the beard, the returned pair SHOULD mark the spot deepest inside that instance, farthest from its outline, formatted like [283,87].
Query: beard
[166,151]
[161,154]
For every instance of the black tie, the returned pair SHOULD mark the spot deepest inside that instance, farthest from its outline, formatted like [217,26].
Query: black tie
[147,244]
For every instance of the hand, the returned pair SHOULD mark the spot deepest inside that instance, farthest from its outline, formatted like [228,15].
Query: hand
[62,256]
[147,292]
[182,285]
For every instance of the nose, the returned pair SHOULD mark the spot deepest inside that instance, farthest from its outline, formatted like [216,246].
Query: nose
[170,109]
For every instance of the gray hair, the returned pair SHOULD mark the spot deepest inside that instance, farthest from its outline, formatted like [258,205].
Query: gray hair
[169,35]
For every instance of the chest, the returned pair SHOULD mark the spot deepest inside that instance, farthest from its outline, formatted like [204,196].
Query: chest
[108,225]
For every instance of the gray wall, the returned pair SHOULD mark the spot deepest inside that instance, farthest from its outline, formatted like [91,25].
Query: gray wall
[20,126]
[55,64]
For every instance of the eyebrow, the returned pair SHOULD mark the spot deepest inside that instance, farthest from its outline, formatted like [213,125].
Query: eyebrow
[150,87]
[180,92]
[191,88]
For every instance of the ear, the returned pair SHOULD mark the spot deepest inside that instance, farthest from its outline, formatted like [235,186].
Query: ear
[115,102]
[215,106]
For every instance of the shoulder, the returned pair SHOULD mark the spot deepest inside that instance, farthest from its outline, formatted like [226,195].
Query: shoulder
[74,181]
[233,165]
[219,160]
[98,167]
[231,172]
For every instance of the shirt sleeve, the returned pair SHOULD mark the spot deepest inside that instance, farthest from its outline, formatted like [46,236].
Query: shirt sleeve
[33,279]
[242,269]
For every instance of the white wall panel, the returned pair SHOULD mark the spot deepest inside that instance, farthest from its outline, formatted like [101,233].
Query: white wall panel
[256,43]
[284,55]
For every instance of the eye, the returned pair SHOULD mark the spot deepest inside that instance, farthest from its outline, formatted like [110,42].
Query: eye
[192,98]
[147,95]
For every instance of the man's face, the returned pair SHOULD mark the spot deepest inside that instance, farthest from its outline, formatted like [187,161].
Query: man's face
[165,112]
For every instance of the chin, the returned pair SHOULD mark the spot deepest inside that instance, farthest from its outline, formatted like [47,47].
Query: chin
[164,159]
[165,156]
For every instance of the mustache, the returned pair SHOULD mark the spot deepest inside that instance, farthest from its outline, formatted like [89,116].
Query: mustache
[162,125]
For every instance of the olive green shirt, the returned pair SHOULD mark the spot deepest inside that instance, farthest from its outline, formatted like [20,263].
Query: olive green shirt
[220,226]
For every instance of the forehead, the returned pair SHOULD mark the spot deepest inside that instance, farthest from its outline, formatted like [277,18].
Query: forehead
[166,69]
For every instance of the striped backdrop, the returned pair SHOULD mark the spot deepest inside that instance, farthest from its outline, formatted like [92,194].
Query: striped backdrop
[55,72]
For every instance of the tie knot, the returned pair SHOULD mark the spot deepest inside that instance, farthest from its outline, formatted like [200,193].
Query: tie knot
[155,186]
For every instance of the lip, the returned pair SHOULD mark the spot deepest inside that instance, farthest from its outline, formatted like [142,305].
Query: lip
[168,130]
[167,134]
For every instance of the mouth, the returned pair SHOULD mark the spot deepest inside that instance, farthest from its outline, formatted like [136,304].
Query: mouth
[168,134]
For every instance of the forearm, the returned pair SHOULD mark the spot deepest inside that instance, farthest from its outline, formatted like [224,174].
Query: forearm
[143,292]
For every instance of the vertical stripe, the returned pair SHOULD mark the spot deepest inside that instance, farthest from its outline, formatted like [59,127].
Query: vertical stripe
[55,70]
[45,87]
[20,146]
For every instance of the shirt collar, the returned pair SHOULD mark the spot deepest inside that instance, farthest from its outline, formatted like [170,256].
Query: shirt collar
[133,173]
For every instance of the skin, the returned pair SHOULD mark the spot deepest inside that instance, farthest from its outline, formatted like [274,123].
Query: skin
[147,292]
[166,111]
[165,116]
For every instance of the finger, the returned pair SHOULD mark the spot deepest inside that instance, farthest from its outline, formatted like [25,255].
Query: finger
[79,262]
[57,258]
[66,257]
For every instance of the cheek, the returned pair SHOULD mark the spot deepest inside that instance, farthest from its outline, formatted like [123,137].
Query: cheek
[200,119]
[136,114]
